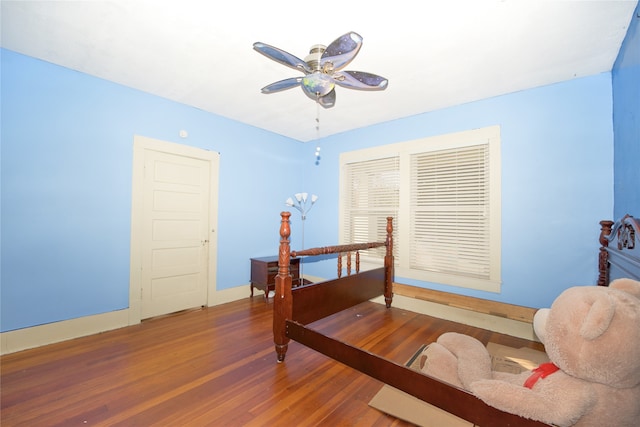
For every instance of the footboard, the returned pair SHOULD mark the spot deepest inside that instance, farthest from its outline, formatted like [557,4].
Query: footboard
[308,303]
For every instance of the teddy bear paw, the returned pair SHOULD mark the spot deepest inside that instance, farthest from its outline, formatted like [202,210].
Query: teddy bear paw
[438,362]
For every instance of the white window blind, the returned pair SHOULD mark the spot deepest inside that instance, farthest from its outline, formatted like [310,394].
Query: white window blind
[449,211]
[371,191]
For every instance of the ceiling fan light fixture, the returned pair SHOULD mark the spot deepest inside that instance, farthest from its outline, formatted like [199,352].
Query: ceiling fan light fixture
[317,84]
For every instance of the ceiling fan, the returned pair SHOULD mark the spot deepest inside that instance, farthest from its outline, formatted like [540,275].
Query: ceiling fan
[322,69]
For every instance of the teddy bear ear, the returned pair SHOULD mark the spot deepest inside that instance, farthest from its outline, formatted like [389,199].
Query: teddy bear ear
[540,320]
[598,318]
[629,286]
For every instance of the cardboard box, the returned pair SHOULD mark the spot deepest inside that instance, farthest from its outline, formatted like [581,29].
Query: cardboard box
[411,409]
[515,360]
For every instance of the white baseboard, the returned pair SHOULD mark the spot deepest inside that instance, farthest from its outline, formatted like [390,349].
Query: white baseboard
[36,336]
[50,333]
[232,294]
[467,317]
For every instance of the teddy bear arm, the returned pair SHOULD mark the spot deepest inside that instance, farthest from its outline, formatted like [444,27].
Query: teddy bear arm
[548,408]
[473,359]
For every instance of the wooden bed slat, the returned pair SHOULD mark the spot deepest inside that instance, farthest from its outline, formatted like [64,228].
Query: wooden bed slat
[318,300]
[445,396]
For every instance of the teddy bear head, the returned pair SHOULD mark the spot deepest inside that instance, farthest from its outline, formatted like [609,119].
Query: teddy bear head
[593,332]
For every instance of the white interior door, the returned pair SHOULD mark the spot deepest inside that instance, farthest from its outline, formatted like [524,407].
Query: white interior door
[175,229]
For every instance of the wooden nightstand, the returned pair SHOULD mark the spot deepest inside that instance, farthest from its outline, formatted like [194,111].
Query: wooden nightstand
[264,271]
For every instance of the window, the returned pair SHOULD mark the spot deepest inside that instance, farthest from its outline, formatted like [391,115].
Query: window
[444,195]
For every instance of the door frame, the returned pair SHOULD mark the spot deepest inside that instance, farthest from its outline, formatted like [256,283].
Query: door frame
[140,145]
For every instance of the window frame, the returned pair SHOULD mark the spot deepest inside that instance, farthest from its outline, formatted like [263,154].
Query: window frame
[404,150]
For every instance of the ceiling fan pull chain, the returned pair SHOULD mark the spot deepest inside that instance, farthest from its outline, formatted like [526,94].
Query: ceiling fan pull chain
[318,130]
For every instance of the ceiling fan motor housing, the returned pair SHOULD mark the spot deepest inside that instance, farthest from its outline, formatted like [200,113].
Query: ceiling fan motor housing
[315,54]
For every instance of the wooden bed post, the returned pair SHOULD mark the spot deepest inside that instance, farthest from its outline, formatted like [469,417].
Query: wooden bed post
[603,257]
[388,264]
[283,305]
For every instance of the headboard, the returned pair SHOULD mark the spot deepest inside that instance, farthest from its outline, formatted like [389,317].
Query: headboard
[619,250]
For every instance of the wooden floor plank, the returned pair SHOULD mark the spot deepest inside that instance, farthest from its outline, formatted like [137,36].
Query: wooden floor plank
[213,367]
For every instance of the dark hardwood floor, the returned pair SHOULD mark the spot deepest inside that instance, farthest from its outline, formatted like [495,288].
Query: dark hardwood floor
[213,367]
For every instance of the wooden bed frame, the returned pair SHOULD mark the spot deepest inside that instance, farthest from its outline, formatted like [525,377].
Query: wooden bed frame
[296,307]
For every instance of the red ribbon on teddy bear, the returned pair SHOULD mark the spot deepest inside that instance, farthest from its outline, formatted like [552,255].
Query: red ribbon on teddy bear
[541,371]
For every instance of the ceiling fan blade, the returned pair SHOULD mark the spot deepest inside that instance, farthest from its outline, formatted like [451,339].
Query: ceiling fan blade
[282,85]
[342,50]
[360,80]
[282,57]
[329,100]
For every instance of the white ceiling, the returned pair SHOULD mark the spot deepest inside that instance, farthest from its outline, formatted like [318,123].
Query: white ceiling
[435,53]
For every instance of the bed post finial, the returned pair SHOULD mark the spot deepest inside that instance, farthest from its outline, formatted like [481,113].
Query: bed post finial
[388,264]
[283,307]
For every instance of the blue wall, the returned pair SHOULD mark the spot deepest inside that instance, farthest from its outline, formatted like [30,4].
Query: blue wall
[557,158]
[626,122]
[66,185]
[67,151]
